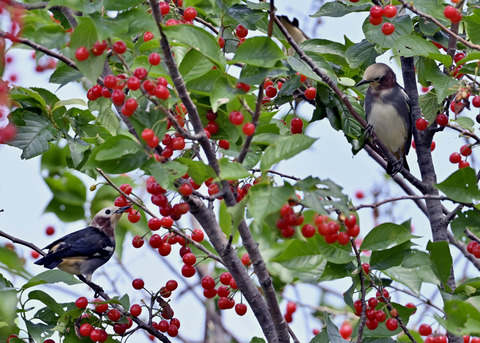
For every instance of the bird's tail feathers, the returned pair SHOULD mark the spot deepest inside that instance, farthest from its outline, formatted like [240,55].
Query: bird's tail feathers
[47,263]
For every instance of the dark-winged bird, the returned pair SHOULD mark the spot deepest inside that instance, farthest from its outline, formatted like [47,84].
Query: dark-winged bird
[387,107]
[83,251]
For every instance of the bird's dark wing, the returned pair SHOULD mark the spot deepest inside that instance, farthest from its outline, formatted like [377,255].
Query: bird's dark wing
[89,242]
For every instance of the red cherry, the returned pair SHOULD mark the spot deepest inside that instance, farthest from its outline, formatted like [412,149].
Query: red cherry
[463,164]
[110,81]
[310,93]
[119,47]
[236,118]
[221,42]
[188,271]
[189,259]
[50,230]
[85,329]
[147,36]
[147,134]
[131,105]
[134,216]
[114,314]
[389,11]
[291,307]
[118,97]
[380,316]
[164,249]
[388,29]
[197,235]
[391,324]
[248,129]
[82,53]
[171,285]
[164,8]
[189,13]
[271,91]
[375,21]
[372,302]
[350,221]
[343,238]
[162,92]
[135,310]
[421,124]
[208,282]
[186,189]
[101,308]
[366,268]
[466,339]
[425,330]
[241,309]
[81,302]
[154,59]
[346,330]
[458,57]
[308,230]
[138,283]
[466,150]
[442,119]
[224,144]
[141,73]
[241,31]
[137,241]
[376,12]
[372,324]
[476,101]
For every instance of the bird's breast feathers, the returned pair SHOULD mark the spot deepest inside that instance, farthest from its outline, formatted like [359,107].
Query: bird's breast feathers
[388,126]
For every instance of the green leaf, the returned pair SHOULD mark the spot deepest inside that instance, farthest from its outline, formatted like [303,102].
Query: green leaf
[332,330]
[465,123]
[51,277]
[430,106]
[441,260]
[118,154]
[319,194]
[460,186]
[411,46]
[466,220]
[414,270]
[47,300]
[463,318]
[194,65]
[106,117]
[361,55]
[473,26]
[222,93]
[69,102]
[198,39]
[443,84]
[266,199]
[85,34]
[338,9]
[11,261]
[33,137]
[386,236]
[225,219]
[403,27]
[198,170]
[303,68]
[230,170]
[307,256]
[259,51]
[285,148]
[114,5]
[237,213]
[159,172]
[67,189]
[388,258]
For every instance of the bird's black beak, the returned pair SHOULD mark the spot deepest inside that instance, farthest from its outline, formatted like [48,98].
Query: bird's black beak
[361,83]
[123,209]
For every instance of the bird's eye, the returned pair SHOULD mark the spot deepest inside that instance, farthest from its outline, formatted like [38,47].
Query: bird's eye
[377,78]
[108,211]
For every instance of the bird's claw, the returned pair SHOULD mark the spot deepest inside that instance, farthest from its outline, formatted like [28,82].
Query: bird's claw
[368,130]
[394,167]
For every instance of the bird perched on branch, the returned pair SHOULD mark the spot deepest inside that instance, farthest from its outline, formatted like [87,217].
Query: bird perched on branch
[387,107]
[294,30]
[83,251]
